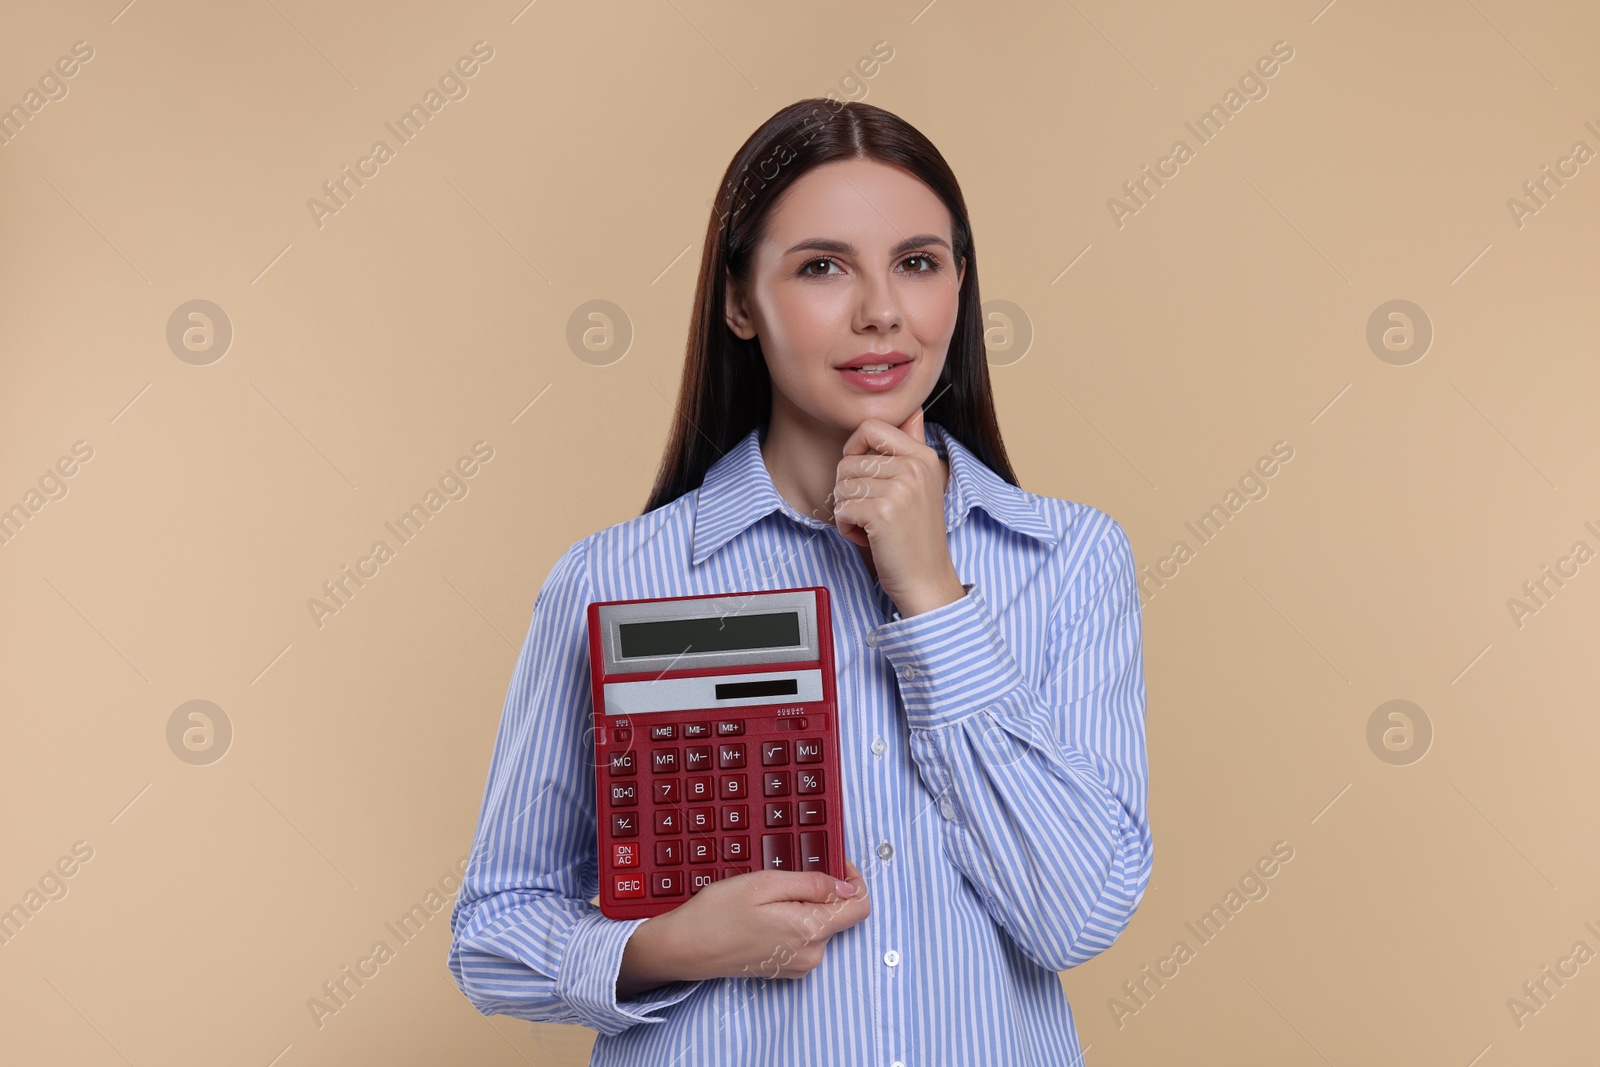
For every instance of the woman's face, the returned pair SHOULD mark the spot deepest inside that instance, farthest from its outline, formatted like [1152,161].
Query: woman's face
[856,260]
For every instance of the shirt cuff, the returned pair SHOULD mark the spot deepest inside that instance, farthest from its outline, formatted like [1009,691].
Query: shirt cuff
[951,662]
[588,978]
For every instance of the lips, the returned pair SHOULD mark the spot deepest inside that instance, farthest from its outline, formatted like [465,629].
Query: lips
[876,359]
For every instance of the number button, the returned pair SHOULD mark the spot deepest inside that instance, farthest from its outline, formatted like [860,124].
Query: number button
[698,880]
[666,790]
[669,821]
[666,884]
[669,853]
[702,850]
[733,787]
[735,816]
[624,794]
[700,787]
[735,848]
[702,820]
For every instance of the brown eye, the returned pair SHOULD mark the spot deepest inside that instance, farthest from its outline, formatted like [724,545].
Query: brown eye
[933,264]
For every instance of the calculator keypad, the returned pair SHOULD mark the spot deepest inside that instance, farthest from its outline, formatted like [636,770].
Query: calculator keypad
[691,784]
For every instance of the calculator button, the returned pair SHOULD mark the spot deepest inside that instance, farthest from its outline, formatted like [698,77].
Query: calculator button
[734,787]
[700,787]
[735,848]
[625,854]
[663,733]
[696,729]
[774,753]
[698,880]
[811,812]
[777,852]
[813,850]
[728,728]
[666,884]
[624,794]
[780,813]
[664,760]
[735,816]
[776,783]
[702,820]
[733,872]
[702,850]
[625,824]
[666,791]
[669,853]
[627,885]
[669,821]
[697,758]
[730,755]
[622,763]
[808,781]
[808,750]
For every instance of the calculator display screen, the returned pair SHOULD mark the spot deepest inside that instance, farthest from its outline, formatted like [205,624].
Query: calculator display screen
[714,633]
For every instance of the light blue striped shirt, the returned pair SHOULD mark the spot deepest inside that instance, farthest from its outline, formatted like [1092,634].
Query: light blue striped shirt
[995,778]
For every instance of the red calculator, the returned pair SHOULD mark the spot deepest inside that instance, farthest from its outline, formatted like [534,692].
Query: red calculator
[716,743]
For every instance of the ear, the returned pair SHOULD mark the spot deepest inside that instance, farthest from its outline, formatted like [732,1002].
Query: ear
[736,310]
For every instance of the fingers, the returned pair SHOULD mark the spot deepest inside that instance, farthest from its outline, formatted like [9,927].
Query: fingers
[811,887]
[876,435]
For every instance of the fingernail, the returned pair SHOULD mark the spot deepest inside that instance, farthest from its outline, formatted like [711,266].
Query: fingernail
[845,888]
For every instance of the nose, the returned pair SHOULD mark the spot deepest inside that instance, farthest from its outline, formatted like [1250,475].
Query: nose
[879,304]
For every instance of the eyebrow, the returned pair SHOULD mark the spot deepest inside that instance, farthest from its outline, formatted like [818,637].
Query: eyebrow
[845,248]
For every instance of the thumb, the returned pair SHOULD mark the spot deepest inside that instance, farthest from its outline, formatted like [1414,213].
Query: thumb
[912,427]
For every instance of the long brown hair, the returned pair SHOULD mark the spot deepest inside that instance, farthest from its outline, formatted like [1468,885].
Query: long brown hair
[726,390]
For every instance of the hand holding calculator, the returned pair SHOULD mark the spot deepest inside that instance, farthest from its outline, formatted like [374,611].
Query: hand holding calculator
[716,743]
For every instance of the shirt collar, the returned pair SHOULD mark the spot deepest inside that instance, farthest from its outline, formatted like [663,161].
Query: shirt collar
[737,492]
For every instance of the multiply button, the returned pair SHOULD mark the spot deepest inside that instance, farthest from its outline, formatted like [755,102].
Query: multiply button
[780,813]
[808,750]
[777,852]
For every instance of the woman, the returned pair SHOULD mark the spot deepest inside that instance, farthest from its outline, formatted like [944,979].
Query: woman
[835,426]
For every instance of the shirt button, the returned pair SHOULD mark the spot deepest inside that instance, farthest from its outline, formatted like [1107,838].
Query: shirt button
[885,850]
[872,638]
[947,809]
[891,957]
[908,672]
[879,747]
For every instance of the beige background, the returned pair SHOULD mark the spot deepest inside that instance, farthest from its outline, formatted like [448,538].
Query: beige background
[431,312]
